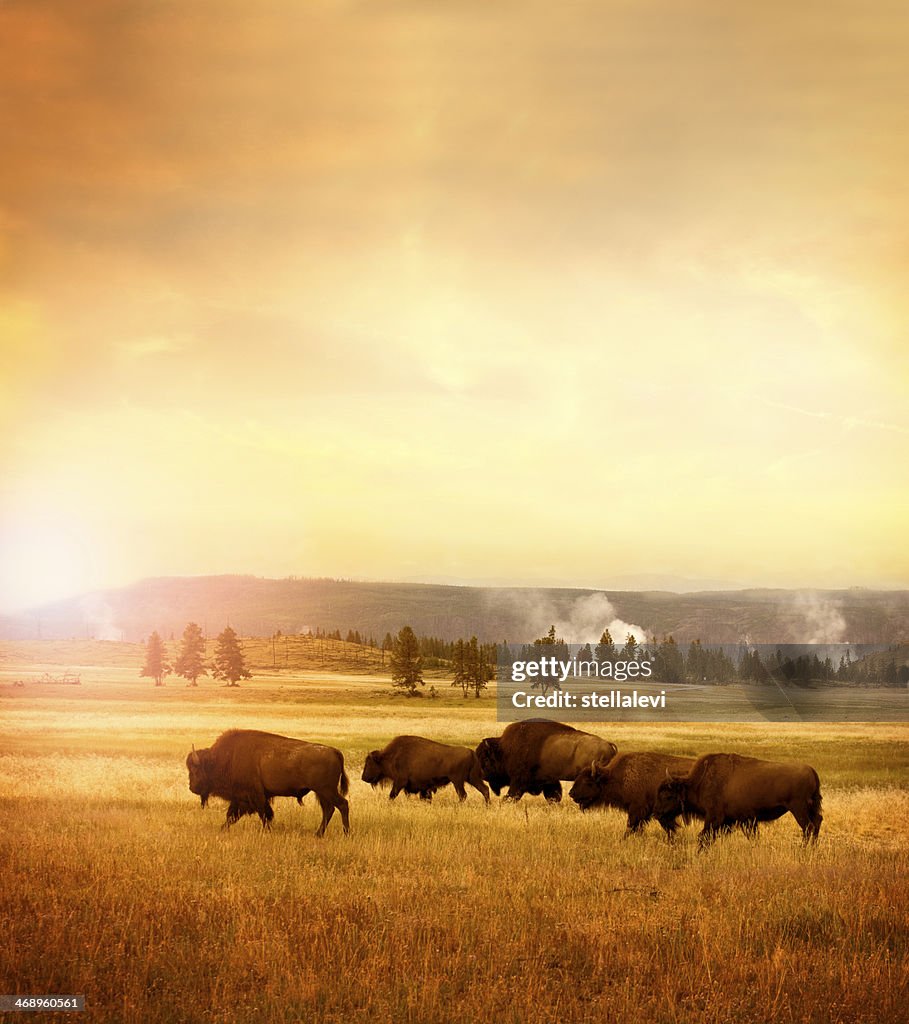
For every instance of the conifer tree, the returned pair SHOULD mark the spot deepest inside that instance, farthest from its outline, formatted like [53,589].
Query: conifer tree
[476,662]
[406,663]
[459,661]
[229,663]
[605,649]
[156,664]
[190,663]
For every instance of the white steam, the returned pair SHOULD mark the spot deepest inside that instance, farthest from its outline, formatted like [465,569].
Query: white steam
[98,619]
[583,622]
[823,618]
[589,616]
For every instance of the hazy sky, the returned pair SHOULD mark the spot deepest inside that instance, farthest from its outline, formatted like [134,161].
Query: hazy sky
[511,290]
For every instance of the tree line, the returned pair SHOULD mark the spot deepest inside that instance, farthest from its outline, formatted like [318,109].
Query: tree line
[702,663]
[473,664]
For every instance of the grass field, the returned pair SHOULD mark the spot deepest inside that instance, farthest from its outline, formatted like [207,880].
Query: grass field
[117,885]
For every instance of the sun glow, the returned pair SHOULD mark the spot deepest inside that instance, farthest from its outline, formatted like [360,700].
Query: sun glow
[43,561]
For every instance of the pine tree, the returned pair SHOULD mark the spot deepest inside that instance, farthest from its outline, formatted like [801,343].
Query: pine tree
[605,649]
[190,661]
[476,667]
[669,666]
[156,664]
[229,663]
[387,645]
[459,661]
[696,662]
[550,638]
[406,663]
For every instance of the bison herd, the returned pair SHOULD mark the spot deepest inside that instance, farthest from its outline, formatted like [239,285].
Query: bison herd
[248,769]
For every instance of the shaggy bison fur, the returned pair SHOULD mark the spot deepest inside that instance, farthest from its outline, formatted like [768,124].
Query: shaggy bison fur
[418,765]
[727,790]
[535,756]
[630,783]
[248,769]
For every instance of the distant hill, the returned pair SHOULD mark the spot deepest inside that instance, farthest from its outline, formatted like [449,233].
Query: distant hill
[30,659]
[259,607]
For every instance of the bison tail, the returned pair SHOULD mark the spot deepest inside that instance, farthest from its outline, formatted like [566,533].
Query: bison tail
[343,782]
[812,830]
[815,802]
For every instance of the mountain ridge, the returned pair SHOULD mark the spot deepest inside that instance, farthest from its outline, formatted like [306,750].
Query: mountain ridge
[260,606]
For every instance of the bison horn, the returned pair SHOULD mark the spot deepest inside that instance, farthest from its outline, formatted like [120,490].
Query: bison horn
[193,756]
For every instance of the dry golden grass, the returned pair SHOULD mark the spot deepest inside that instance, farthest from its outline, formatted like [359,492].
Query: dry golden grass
[117,885]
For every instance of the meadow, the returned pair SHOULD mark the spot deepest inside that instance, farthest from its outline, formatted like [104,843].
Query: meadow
[117,885]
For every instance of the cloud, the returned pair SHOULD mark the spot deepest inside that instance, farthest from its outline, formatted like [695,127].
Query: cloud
[405,260]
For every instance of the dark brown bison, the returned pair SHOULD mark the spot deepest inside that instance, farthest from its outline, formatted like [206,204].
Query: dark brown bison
[418,765]
[725,790]
[534,756]
[629,782]
[249,769]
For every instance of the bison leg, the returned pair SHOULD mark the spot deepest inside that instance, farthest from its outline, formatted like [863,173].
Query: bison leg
[395,789]
[553,793]
[514,793]
[475,778]
[481,787]
[233,815]
[236,809]
[635,824]
[266,814]
[344,807]
[749,828]
[328,809]
[328,805]
[709,833]
[461,791]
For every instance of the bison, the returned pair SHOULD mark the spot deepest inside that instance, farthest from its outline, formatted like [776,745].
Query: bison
[249,768]
[418,765]
[534,756]
[725,790]
[629,782]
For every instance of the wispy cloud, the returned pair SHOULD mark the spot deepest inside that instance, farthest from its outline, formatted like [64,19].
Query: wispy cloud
[848,422]
[153,345]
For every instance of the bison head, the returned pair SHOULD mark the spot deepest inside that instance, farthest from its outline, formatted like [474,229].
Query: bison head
[199,783]
[670,796]
[589,787]
[373,773]
[492,764]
